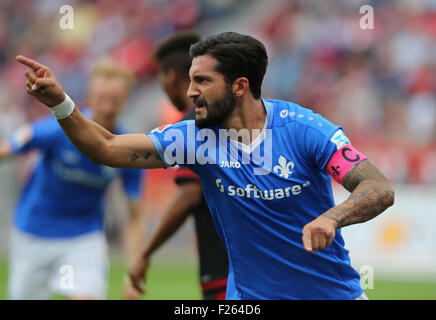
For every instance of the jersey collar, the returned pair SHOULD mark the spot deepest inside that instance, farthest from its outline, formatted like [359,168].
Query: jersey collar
[248,148]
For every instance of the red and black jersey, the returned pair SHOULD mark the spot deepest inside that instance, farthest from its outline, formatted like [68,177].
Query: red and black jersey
[212,253]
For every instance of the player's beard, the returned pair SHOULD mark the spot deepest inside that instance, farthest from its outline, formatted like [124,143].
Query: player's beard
[218,111]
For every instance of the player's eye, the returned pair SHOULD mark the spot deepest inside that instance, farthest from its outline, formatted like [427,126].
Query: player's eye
[200,79]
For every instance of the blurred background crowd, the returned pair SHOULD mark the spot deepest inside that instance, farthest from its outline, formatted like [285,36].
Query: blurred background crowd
[378,84]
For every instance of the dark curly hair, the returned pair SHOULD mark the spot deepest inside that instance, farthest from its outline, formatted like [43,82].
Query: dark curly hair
[238,55]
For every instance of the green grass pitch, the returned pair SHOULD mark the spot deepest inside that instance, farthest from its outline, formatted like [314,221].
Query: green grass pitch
[168,280]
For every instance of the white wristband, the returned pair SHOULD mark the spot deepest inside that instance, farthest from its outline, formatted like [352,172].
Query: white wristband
[63,109]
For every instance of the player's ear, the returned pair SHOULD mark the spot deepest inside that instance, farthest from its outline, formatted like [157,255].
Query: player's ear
[171,77]
[240,86]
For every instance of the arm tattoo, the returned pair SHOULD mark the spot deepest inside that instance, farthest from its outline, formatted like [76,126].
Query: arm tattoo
[149,156]
[371,194]
[133,158]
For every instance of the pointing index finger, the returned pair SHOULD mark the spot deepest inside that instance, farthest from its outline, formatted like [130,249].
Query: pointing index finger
[29,62]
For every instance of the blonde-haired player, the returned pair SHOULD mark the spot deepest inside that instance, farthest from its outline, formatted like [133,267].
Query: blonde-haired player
[57,242]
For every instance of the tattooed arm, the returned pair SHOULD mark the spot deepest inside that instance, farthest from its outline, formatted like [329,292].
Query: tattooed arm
[101,146]
[371,194]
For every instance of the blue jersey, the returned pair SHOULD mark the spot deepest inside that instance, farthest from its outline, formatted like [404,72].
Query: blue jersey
[262,194]
[64,195]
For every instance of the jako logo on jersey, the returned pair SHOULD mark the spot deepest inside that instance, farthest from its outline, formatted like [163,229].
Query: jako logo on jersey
[283,167]
[161,128]
[230,164]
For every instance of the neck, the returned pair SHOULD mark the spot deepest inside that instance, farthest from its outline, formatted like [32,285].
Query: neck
[249,114]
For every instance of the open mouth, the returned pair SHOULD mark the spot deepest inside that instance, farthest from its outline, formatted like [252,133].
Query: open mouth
[199,106]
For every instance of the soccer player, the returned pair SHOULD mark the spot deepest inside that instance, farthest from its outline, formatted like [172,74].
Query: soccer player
[174,63]
[271,196]
[57,243]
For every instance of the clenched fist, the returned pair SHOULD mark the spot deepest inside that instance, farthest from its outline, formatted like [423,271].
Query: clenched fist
[319,234]
[41,83]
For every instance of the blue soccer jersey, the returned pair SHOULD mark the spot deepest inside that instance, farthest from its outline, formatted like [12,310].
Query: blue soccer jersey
[262,194]
[64,195]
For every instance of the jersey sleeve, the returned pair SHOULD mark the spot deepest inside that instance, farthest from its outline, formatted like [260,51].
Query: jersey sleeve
[38,135]
[343,160]
[317,140]
[183,175]
[132,182]
[330,150]
[175,143]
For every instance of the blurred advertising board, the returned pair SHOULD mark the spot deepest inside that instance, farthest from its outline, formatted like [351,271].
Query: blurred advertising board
[400,241]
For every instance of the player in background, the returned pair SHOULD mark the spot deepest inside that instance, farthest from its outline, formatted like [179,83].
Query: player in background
[174,63]
[274,211]
[57,242]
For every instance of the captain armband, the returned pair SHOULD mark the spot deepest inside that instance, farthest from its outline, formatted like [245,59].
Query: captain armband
[343,161]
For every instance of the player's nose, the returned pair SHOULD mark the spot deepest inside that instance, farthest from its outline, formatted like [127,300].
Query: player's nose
[192,91]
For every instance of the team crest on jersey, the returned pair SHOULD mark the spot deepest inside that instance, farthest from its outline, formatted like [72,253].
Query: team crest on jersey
[284,167]
[161,128]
